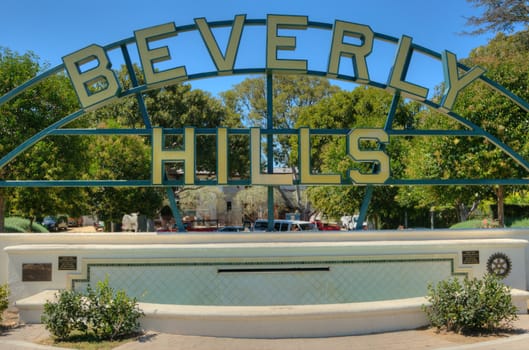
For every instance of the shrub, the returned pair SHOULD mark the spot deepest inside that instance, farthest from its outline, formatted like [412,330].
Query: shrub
[476,305]
[66,315]
[16,224]
[520,223]
[4,299]
[113,315]
[468,224]
[102,312]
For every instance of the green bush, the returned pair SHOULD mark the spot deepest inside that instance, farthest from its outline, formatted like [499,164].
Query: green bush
[4,299]
[113,315]
[66,315]
[15,224]
[102,314]
[468,224]
[476,305]
[520,223]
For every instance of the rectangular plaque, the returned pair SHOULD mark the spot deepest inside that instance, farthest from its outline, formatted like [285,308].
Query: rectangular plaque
[67,263]
[470,256]
[36,272]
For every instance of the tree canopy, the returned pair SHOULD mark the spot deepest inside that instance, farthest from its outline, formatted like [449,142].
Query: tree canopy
[53,158]
[499,15]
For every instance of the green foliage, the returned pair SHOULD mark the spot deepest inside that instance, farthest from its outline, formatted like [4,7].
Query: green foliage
[475,305]
[488,223]
[16,224]
[291,94]
[520,223]
[68,314]
[362,107]
[498,16]
[468,224]
[53,158]
[101,313]
[112,315]
[4,299]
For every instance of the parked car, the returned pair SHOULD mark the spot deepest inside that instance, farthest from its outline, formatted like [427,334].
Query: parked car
[285,225]
[231,229]
[99,226]
[73,222]
[50,223]
[62,223]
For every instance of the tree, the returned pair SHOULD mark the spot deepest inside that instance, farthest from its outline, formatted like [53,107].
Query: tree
[119,157]
[451,157]
[179,106]
[254,202]
[53,158]
[291,93]
[362,107]
[499,15]
[122,158]
[201,201]
[505,58]
[442,157]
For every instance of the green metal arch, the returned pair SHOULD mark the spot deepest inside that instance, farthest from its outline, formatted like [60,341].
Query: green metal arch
[137,90]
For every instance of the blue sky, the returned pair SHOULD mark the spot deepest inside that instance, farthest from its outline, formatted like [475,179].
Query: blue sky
[55,28]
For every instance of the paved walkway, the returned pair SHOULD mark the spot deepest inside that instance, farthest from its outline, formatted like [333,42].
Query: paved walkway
[27,337]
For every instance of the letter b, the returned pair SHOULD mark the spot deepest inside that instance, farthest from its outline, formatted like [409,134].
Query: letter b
[96,85]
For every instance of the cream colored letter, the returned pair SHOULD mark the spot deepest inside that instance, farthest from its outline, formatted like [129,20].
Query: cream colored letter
[400,67]
[354,138]
[149,57]
[224,63]
[276,42]
[87,84]
[453,82]
[304,156]
[159,156]
[357,53]
[257,177]
[222,156]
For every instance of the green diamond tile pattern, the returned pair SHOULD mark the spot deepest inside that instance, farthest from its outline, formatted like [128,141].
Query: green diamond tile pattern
[202,284]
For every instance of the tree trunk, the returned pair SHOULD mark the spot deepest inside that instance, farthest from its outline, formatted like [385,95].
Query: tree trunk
[500,194]
[2,216]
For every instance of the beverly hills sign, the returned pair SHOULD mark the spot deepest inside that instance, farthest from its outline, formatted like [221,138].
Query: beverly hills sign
[102,75]
[96,84]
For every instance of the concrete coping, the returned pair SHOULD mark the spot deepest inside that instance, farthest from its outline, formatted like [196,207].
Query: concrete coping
[273,321]
[165,310]
[20,249]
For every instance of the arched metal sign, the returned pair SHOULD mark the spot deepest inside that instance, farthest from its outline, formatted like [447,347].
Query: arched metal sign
[94,81]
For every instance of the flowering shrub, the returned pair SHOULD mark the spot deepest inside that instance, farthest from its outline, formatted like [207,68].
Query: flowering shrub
[476,305]
[102,312]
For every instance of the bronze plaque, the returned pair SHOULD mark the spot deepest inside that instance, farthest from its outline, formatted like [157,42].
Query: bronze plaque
[470,256]
[67,263]
[36,272]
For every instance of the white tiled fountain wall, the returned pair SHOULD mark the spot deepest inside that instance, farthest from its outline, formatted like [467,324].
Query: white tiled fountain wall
[188,273]
[306,282]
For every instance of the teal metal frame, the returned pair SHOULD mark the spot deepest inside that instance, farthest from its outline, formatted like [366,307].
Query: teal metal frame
[137,91]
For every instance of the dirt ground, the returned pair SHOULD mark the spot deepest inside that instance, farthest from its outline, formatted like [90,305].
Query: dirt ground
[9,318]
[82,229]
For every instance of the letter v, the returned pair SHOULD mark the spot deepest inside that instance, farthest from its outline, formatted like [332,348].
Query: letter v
[224,63]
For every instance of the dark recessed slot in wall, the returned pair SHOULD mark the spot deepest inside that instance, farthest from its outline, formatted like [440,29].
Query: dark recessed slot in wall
[279,269]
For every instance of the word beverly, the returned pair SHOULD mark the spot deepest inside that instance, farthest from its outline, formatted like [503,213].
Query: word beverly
[98,84]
